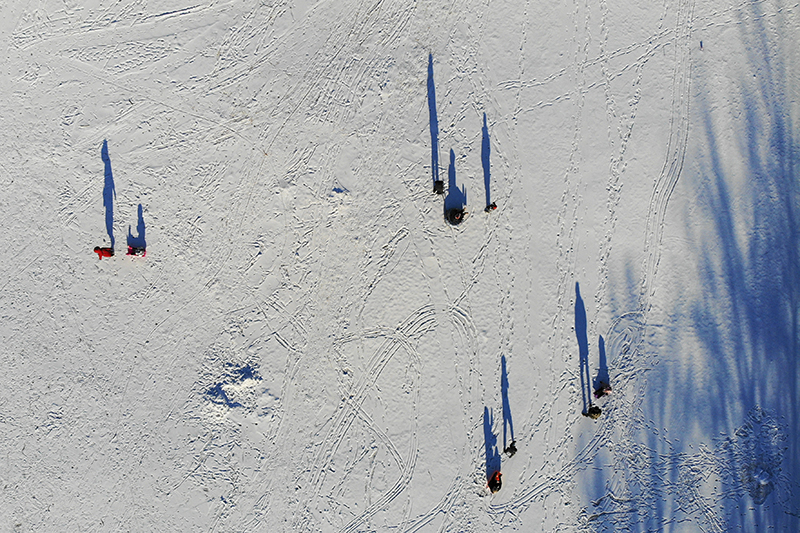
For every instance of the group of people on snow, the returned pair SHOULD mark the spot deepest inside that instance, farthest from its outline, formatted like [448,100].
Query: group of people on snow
[456,215]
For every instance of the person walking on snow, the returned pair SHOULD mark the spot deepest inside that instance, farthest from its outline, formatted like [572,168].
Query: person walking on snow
[603,390]
[136,250]
[593,412]
[103,252]
[512,448]
[495,482]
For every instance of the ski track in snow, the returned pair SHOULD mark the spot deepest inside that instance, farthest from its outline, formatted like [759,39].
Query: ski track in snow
[630,360]
[304,312]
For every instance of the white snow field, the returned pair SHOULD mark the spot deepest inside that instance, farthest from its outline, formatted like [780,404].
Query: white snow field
[309,346]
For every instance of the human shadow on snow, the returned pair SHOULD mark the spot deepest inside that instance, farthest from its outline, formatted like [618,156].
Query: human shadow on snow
[602,366]
[456,198]
[508,423]
[139,240]
[434,122]
[583,348]
[109,193]
[490,442]
[486,149]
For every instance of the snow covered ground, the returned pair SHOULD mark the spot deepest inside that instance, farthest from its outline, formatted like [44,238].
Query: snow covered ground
[309,346]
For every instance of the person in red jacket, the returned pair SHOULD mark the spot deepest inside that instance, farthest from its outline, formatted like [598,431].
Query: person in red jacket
[495,482]
[103,252]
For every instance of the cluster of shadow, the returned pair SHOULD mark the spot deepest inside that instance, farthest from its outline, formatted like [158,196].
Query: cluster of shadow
[588,385]
[137,241]
[455,200]
[493,455]
[234,374]
[746,320]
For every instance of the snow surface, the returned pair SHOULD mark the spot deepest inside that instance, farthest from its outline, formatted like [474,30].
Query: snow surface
[308,346]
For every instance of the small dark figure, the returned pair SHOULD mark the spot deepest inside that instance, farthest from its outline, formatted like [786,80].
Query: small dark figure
[103,252]
[491,207]
[593,412]
[512,448]
[438,187]
[603,390]
[495,482]
[135,250]
[455,215]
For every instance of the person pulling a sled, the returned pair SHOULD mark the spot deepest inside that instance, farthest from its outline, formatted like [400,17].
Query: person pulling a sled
[455,216]
[103,252]
[495,482]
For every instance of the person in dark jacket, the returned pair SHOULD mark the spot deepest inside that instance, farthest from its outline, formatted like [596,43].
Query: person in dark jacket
[593,412]
[603,390]
[512,448]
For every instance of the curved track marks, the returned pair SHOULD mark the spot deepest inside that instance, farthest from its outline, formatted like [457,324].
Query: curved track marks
[416,325]
[675,150]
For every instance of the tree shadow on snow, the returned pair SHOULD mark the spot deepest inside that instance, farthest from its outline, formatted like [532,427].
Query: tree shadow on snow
[742,329]
[748,320]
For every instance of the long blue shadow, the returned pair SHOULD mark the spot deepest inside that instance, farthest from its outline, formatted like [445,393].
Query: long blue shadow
[434,121]
[602,371]
[507,420]
[139,240]
[486,149]
[490,441]
[109,193]
[583,348]
[456,198]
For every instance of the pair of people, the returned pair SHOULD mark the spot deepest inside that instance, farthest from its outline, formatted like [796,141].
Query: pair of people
[496,479]
[594,411]
[109,251]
